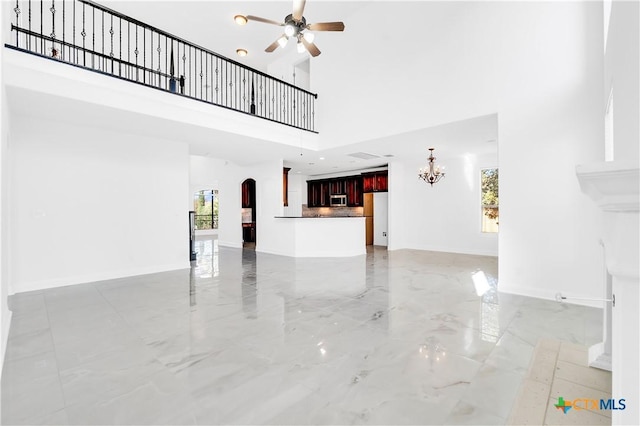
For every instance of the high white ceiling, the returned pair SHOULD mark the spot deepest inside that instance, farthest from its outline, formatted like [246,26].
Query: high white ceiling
[210,24]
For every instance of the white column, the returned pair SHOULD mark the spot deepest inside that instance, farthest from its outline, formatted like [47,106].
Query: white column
[615,188]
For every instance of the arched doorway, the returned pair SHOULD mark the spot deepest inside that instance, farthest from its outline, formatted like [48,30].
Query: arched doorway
[249,214]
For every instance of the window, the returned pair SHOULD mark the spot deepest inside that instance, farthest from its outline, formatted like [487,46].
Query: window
[490,210]
[205,204]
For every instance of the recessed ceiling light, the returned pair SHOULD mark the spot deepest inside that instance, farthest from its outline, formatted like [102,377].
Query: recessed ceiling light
[240,19]
[322,158]
[242,52]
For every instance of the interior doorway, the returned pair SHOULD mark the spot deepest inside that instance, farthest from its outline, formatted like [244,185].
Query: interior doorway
[249,214]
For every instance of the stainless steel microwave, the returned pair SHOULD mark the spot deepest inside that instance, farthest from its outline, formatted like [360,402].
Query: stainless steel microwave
[338,200]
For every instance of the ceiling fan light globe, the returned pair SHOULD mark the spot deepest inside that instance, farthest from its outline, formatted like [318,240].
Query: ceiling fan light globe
[301,48]
[309,37]
[282,41]
[289,30]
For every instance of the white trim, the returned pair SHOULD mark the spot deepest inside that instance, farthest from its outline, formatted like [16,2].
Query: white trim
[332,253]
[229,244]
[110,275]
[451,250]
[546,295]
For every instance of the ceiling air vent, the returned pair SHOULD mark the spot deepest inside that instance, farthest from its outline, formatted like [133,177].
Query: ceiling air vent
[363,155]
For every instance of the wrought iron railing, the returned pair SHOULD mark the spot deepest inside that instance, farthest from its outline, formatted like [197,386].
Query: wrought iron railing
[91,36]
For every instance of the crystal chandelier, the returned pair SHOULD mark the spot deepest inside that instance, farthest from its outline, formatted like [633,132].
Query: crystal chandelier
[431,173]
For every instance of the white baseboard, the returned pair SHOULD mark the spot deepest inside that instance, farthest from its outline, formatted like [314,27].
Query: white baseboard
[101,276]
[229,244]
[545,294]
[332,253]
[455,250]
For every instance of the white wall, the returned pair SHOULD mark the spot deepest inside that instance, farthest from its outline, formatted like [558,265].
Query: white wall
[90,203]
[297,194]
[380,218]
[5,313]
[269,236]
[539,65]
[552,122]
[445,217]
[622,68]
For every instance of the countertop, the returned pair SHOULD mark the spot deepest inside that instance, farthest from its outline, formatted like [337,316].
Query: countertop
[318,217]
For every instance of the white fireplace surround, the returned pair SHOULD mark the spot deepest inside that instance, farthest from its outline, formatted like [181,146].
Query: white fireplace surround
[615,188]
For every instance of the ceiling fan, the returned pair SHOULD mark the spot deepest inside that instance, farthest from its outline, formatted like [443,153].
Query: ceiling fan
[294,27]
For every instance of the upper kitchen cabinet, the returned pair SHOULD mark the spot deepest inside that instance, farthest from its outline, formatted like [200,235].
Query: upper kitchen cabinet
[375,181]
[338,186]
[318,193]
[354,191]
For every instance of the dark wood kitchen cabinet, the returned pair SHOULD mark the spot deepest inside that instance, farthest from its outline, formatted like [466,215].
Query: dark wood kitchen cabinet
[354,191]
[318,192]
[382,184]
[375,181]
[338,186]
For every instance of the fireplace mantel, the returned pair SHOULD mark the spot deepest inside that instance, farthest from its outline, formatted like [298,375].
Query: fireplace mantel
[615,188]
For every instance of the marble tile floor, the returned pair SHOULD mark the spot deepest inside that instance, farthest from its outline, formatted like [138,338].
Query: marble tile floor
[401,337]
[560,369]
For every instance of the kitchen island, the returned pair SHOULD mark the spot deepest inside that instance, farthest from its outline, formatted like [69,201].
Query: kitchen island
[319,236]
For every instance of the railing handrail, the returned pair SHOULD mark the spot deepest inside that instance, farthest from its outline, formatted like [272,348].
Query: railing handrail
[204,49]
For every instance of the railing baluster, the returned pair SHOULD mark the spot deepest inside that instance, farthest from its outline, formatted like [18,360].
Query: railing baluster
[41,27]
[102,63]
[75,51]
[159,61]
[17,11]
[111,32]
[93,33]
[29,37]
[84,35]
[63,28]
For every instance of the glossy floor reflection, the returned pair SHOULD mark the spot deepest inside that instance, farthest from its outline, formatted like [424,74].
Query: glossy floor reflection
[403,337]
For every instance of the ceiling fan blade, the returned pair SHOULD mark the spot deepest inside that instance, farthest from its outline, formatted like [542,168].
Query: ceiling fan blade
[264,20]
[311,48]
[326,26]
[298,9]
[273,46]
